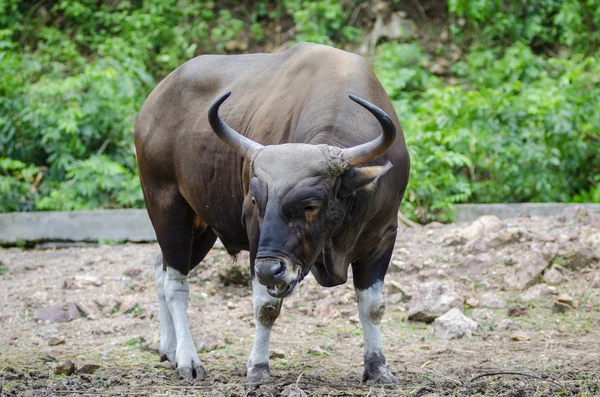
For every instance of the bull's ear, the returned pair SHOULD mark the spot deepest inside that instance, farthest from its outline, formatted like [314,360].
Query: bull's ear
[361,178]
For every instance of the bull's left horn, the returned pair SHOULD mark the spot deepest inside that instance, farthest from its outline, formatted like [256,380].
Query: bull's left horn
[366,152]
[244,146]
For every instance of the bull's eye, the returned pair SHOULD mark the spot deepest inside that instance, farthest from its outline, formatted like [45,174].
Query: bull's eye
[310,208]
[253,200]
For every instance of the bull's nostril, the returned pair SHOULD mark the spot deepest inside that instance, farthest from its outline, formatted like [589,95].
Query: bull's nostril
[269,272]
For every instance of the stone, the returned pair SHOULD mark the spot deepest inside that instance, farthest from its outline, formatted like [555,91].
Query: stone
[88,368]
[292,390]
[519,336]
[526,272]
[596,280]
[492,301]
[65,368]
[482,316]
[453,325]
[209,342]
[432,300]
[517,311]
[535,293]
[507,324]
[81,282]
[553,276]
[564,303]
[275,354]
[62,312]
[54,341]
[483,226]
[394,287]
[579,258]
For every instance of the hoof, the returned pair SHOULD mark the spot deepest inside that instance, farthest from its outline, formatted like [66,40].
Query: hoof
[258,373]
[376,371]
[197,371]
[170,357]
[381,378]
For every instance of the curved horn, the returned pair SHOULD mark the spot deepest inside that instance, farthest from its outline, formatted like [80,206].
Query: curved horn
[366,152]
[244,146]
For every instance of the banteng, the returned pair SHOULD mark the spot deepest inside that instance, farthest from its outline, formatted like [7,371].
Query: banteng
[304,166]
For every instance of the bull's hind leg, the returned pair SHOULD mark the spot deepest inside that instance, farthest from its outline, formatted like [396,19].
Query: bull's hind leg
[175,226]
[168,340]
[266,310]
[368,284]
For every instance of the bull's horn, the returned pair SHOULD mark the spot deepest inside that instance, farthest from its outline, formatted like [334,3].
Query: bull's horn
[366,152]
[244,146]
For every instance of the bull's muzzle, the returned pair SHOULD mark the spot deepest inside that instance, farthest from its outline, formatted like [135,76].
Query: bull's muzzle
[279,276]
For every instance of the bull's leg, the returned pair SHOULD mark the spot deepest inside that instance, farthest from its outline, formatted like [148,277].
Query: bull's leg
[168,340]
[177,291]
[368,284]
[266,310]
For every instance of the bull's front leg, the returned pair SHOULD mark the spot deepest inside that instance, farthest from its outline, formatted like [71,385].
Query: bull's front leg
[368,284]
[266,310]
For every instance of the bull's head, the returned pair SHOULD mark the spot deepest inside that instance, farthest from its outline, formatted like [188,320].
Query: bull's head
[300,193]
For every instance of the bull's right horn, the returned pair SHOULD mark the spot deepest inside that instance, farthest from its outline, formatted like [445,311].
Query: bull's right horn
[244,146]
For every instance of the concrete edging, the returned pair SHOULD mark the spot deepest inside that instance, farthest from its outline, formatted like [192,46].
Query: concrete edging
[134,225]
[470,212]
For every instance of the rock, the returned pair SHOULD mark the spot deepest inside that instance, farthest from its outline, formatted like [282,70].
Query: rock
[231,305]
[519,336]
[130,304]
[492,301]
[472,302]
[433,299]
[482,316]
[88,368]
[134,272]
[292,390]
[536,292]
[579,258]
[210,342]
[553,276]
[516,311]
[235,274]
[508,325]
[564,303]
[454,325]
[54,341]
[65,368]
[481,227]
[596,280]
[108,305]
[62,312]
[526,272]
[275,354]
[81,282]
[394,287]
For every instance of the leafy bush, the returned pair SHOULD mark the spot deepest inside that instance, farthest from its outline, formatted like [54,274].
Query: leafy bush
[514,119]
[520,127]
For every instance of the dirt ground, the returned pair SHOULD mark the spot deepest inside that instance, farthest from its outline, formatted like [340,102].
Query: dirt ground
[317,341]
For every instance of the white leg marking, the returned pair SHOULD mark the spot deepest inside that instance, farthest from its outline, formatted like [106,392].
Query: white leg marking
[266,309]
[168,340]
[177,291]
[370,307]
[370,312]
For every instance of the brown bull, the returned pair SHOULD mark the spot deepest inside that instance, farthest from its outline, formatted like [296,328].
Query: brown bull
[285,186]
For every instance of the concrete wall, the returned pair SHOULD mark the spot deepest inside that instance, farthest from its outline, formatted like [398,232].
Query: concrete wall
[134,225]
[131,225]
[470,212]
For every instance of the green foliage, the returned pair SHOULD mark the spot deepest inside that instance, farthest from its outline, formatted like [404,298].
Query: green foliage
[520,127]
[515,117]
